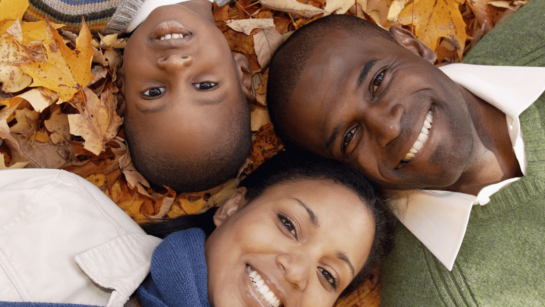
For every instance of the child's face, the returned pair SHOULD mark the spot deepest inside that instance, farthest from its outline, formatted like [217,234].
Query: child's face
[181,93]
[305,239]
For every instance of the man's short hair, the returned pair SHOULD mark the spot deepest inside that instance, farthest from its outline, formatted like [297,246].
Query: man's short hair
[289,61]
[197,173]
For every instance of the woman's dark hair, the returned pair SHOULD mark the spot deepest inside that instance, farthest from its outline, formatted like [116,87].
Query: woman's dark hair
[294,165]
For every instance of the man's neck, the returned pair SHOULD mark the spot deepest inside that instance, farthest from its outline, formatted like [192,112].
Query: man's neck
[493,159]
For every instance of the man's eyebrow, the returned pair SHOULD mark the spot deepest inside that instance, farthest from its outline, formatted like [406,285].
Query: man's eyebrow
[344,258]
[213,101]
[313,218]
[332,138]
[365,71]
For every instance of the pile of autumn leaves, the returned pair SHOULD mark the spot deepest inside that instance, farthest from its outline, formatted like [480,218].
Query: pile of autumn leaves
[58,96]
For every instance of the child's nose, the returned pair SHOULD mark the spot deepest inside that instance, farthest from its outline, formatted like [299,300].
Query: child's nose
[174,63]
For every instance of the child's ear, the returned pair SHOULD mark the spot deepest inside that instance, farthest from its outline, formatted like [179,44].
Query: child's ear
[232,205]
[245,76]
[406,39]
[120,83]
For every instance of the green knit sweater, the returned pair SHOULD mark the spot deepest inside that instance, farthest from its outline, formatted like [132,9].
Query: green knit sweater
[502,258]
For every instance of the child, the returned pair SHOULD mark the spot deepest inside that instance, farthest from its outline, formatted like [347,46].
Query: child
[300,230]
[183,95]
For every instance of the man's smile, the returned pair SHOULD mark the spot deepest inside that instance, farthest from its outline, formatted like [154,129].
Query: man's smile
[421,139]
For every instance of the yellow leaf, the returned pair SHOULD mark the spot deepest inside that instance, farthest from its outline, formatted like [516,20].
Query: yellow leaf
[11,54]
[65,71]
[111,41]
[97,179]
[23,117]
[35,31]
[434,19]
[38,101]
[40,137]
[191,207]
[10,102]
[396,8]
[12,9]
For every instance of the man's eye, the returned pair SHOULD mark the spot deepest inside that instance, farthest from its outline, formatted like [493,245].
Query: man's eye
[154,92]
[203,86]
[329,277]
[348,137]
[288,224]
[377,81]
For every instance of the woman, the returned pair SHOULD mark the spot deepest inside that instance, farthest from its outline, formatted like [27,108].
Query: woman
[300,230]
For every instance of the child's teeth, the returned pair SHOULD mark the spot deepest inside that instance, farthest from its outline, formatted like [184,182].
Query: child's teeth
[175,35]
[168,36]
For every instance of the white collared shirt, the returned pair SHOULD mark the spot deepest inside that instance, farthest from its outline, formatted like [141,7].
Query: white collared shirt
[62,240]
[439,218]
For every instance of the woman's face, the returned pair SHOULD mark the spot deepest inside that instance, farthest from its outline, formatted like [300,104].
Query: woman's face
[299,244]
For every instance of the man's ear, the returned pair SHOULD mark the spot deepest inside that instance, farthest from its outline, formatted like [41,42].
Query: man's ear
[245,76]
[406,39]
[232,205]
[120,83]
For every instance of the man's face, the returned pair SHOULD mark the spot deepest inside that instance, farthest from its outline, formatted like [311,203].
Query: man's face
[180,83]
[367,102]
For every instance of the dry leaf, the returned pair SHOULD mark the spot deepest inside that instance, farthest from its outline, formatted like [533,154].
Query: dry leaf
[131,174]
[40,155]
[338,6]
[396,8]
[26,119]
[266,42]
[165,208]
[15,165]
[58,125]
[12,9]
[39,101]
[247,25]
[435,19]
[111,41]
[293,7]
[65,71]
[260,117]
[11,54]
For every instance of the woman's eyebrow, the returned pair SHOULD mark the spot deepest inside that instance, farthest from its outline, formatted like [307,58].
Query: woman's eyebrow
[344,258]
[312,217]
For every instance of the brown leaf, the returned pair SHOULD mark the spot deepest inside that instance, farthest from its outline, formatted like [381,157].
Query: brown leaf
[266,42]
[293,7]
[338,6]
[247,25]
[40,155]
[27,121]
[15,165]
[58,125]
[38,100]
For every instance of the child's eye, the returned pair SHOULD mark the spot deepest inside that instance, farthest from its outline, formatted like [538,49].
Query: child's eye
[288,224]
[329,277]
[154,92]
[377,82]
[203,86]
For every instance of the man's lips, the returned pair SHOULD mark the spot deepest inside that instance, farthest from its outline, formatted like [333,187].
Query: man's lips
[421,139]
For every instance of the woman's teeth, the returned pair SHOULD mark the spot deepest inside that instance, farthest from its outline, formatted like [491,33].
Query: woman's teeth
[171,36]
[422,138]
[260,285]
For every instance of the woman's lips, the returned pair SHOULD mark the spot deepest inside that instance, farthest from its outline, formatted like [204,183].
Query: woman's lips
[260,291]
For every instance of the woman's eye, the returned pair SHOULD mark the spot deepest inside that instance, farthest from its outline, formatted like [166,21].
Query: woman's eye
[377,81]
[288,225]
[203,86]
[154,92]
[329,277]
[348,137]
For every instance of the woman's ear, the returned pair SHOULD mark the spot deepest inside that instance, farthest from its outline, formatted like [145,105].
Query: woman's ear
[245,76]
[406,39]
[120,83]
[232,205]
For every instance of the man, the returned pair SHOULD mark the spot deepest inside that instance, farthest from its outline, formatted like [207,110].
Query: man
[460,149]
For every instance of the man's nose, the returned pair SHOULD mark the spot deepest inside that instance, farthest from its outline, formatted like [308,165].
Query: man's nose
[296,269]
[384,122]
[175,63]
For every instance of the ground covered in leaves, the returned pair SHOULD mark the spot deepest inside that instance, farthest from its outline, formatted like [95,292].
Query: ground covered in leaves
[58,94]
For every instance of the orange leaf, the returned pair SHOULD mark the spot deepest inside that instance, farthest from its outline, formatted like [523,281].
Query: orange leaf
[434,19]
[12,9]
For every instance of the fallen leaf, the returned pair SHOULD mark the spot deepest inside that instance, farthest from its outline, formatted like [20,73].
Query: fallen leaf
[15,165]
[99,180]
[111,41]
[396,8]
[66,71]
[191,207]
[293,7]
[165,208]
[40,155]
[260,117]
[247,25]
[266,42]
[38,100]
[338,6]
[131,174]
[58,126]
[12,9]
[13,79]
[10,102]
[26,120]
[435,19]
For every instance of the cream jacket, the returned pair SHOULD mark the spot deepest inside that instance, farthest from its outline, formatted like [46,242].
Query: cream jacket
[62,240]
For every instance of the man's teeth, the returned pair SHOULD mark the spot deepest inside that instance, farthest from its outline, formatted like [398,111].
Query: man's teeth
[170,36]
[260,285]
[422,138]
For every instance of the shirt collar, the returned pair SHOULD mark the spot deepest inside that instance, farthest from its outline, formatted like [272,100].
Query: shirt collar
[439,218]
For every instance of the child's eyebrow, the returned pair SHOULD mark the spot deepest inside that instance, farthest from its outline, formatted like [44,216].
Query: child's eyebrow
[214,100]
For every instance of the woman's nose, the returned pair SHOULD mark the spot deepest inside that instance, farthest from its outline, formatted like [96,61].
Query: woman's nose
[296,269]
[174,63]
